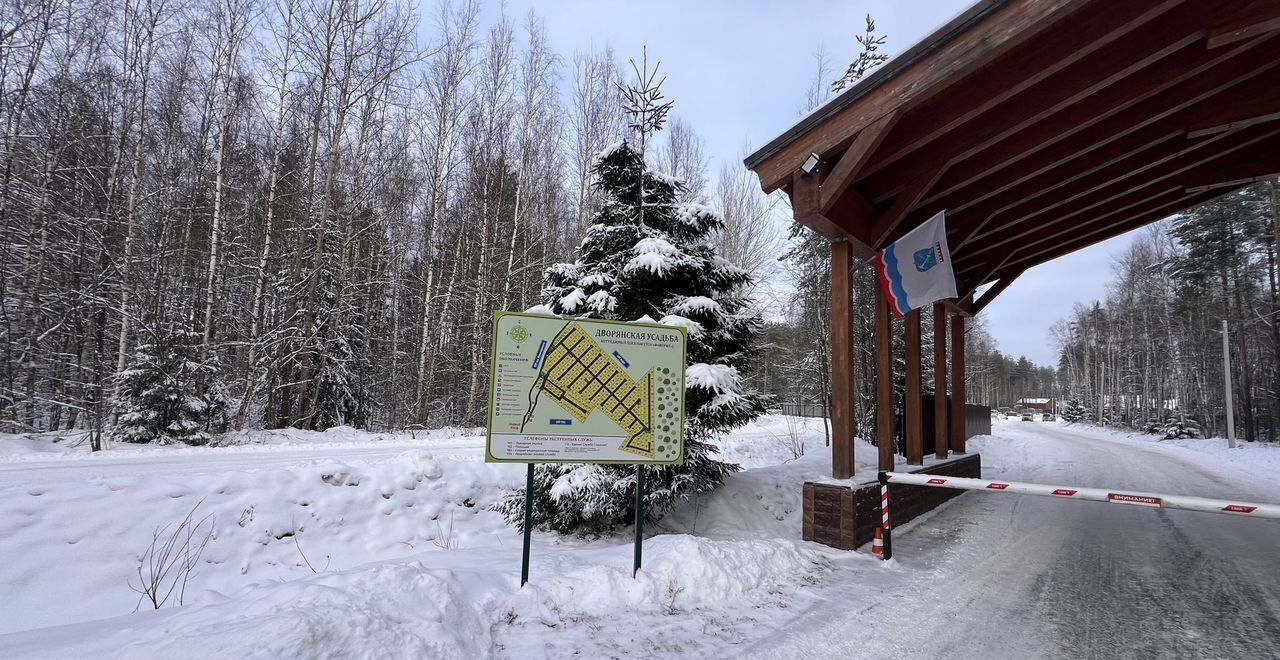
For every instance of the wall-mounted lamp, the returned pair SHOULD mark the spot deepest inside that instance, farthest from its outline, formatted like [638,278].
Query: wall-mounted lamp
[811,164]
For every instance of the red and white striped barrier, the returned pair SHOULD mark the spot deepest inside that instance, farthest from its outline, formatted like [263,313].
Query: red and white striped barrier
[1092,494]
[884,535]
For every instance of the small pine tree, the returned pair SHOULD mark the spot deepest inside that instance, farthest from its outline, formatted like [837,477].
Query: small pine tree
[1178,426]
[1074,411]
[867,60]
[341,397]
[647,257]
[169,395]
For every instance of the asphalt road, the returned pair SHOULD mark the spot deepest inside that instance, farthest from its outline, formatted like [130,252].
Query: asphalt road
[1016,576]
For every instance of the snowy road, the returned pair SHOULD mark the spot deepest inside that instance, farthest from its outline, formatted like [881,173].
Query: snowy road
[1011,576]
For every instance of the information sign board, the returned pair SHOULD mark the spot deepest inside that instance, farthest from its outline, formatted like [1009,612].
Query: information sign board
[569,390]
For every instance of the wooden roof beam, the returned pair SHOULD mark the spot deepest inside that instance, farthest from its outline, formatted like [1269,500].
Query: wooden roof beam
[974,222]
[990,294]
[1094,28]
[1259,165]
[1098,71]
[1121,124]
[984,273]
[1132,202]
[844,224]
[1122,177]
[1058,228]
[1048,251]
[888,223]
[851,162]
[1235,183]
[1017,22]
[804,203]
[1243,122]
[1257,17]
[1117,157]
[958,307]
[1128,192]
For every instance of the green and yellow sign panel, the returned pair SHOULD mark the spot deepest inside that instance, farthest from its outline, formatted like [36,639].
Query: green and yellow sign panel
[566,390]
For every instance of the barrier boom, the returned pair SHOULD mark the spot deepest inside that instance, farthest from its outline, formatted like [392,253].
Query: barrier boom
[1092,494]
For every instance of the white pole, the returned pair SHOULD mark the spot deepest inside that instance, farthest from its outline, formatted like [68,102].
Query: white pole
[1226,378]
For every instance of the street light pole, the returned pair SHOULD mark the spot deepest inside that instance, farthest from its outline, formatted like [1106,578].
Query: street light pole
[1226,379]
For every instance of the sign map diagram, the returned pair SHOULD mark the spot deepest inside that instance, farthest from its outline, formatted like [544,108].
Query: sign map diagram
[576,390]
[578,375]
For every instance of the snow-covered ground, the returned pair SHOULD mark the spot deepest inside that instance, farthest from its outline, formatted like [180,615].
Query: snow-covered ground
[1260,459]
[350,544]
[355,544]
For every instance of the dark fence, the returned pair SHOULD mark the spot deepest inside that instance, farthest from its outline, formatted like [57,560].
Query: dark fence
[804,409]
[977,421]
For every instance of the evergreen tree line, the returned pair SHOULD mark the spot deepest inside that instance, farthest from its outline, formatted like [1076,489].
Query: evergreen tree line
[1150,355]
[277,213]
[998,380]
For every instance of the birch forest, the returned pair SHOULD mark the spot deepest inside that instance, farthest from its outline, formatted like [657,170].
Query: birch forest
[271,213]
[292,212]
[1151,353]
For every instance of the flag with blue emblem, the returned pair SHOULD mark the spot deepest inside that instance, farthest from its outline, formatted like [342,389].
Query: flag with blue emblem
[916,269]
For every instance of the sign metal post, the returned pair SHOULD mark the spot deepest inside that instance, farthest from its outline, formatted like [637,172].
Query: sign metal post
[635,568]
[528,525]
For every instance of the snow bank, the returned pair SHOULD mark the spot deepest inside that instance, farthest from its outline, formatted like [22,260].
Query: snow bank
[75,445]
[275,525]
[422,609]
[1260,460]
[351,553]
[699,570]
[402,610]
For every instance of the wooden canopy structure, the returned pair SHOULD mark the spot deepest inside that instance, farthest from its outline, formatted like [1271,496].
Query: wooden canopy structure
[1041,127]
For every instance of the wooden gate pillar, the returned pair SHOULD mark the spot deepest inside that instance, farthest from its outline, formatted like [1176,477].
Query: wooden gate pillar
[941,427]
[884,382]
[843,422]
[912,409]
[957,384]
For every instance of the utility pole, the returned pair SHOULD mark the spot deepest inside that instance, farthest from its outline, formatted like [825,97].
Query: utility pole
[1226,379]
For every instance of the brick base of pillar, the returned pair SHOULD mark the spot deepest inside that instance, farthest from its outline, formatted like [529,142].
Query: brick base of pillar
[845,517]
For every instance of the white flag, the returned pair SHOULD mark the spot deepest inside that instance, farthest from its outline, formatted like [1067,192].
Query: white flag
[916,269]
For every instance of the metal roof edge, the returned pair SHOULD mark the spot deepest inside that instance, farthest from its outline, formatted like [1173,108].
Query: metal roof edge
[939,37]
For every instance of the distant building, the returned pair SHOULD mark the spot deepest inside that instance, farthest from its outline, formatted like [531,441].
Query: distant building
[1043,405]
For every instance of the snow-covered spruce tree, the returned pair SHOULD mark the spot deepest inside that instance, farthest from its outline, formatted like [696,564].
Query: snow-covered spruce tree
[664,269]
[1178,426]
[648,258]
[1074,411]
[341,397]
[169,395]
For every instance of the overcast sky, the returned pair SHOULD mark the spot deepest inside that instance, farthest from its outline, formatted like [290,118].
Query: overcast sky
[737,71]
